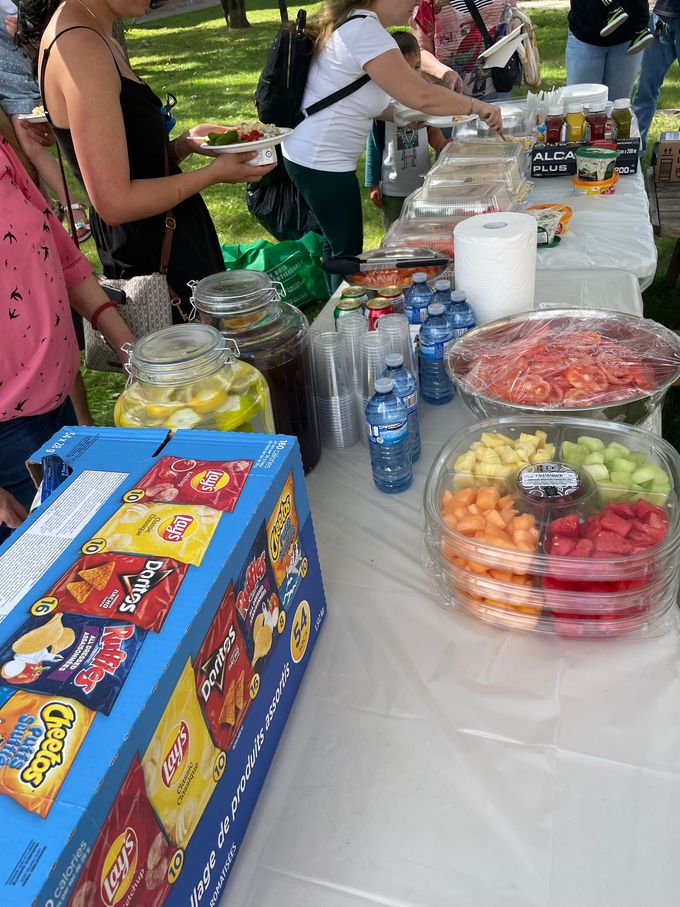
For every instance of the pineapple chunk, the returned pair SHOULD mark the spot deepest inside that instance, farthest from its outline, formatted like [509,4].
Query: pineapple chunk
[491,439]
[508,455]
[466,462]
[528,440]
[542,438]
[489,456]
[541,456]
[494,470]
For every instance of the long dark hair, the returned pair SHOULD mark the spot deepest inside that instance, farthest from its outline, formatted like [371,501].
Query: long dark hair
[32,19]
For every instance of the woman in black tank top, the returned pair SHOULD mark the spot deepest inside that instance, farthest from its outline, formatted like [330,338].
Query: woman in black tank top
[112,131]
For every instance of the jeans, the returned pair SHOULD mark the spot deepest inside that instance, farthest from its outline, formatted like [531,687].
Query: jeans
[610,66]
[19,439]
[656,61]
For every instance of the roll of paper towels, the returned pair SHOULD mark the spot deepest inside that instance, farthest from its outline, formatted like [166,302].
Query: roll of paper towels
[495,263]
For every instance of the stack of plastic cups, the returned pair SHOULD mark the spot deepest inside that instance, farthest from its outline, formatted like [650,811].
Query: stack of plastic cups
[395,329]
[352,328]
[373,349]
[336,394]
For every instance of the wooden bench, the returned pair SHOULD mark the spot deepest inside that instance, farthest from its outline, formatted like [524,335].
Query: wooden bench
[664,213]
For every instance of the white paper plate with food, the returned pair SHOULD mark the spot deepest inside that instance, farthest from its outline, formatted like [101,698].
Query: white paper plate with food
[259,138]
[405,115]
[38,116]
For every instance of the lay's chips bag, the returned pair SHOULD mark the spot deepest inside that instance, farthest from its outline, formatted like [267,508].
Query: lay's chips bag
[39,739]
[216,484]
[131,587]
[179,531]
[180,763]
[223,673]
[128,864]
[283,544]
[72,655]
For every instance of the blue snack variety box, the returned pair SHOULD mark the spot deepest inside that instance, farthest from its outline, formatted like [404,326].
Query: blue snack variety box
[157,613]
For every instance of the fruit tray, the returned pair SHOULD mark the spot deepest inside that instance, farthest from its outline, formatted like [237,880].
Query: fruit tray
[445,203]
[561,525]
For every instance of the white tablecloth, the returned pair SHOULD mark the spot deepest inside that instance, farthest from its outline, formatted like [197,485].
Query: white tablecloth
[433,761]
[612,231]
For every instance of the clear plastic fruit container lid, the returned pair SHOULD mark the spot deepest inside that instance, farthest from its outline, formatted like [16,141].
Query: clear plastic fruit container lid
[483,150]
[444,203]
[456,174]
[556,359]
[562,525]
[437,235]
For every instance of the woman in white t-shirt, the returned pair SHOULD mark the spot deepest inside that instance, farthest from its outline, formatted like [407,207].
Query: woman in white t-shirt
[322,152]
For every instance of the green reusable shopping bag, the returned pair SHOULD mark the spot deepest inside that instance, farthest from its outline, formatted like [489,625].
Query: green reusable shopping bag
[294,263]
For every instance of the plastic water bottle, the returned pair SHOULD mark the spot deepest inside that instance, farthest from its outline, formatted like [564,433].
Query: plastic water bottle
[442,293]
[435,339]
[417,297]
[460,314]
[406,388]
[388,439]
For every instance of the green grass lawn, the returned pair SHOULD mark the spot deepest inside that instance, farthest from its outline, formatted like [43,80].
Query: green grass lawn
[213,73]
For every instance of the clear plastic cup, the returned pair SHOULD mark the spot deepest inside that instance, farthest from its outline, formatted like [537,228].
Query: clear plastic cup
[352,328]
[396,331]
[336,393]
[373,348]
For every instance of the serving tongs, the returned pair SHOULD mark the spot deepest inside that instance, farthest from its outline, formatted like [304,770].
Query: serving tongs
[347,266]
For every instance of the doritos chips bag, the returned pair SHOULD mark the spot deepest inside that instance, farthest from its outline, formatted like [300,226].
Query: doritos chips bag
[122,586]
[215,484]
[72,655]
[128,864]
[223,674]
[180,531]
[257,602]
[39,739]
[283,544]
[179,762]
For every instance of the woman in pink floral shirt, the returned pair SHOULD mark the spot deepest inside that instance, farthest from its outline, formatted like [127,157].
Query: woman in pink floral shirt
[450,42]
[42,275]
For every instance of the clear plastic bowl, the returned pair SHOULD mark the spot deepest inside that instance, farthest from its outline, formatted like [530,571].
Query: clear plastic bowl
[511,562]
[591,362]
[444,203]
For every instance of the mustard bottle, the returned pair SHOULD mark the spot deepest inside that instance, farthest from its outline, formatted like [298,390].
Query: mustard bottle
[576,122]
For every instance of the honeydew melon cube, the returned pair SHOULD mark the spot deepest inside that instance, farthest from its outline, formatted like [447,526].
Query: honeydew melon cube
[591,443]
[608,491]
[572,453]
[621,464]
[644,474]
[639,458]
[593,458]
[598,471]
[618,449]
[622,479]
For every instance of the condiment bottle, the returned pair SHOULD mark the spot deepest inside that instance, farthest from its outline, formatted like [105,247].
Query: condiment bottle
[596,118]
[554,123]
[622,116]
[576,122]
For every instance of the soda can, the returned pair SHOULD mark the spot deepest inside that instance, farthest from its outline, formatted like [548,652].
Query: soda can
[346,307]
[375,309]
[355,293]
[396,295]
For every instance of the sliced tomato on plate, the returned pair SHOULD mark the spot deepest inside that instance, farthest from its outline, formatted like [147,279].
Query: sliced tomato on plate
[591,377]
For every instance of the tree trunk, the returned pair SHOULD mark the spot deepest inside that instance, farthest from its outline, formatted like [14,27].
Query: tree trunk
[119,35]
[235,13]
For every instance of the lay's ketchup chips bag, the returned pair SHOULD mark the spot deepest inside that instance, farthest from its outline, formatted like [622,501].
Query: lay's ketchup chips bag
[180,531]
[39,739]
[72,655]
[180,763]
[222,671]
[128,864]
[216,484]
[131,587]
[257,602]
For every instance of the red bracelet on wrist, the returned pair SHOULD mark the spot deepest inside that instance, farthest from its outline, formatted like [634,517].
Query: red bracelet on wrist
[94,320]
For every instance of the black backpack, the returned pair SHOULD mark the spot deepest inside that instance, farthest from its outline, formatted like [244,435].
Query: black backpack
[282,82]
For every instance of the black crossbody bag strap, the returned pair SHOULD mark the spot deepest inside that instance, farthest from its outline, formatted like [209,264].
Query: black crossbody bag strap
[479,22]
[341,93]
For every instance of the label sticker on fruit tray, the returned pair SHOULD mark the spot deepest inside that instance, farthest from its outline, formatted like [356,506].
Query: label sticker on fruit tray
[549,480]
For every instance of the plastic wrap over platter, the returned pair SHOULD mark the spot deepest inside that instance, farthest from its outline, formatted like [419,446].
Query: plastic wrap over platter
[590,362]
[558,525]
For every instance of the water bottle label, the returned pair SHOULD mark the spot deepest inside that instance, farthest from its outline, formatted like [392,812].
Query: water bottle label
[416,314]
[458,332]
[432,351]
[388,434]
[410,401]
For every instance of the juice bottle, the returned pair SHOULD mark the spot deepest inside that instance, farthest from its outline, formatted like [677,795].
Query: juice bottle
[576,122]
[622,116]
[596,118]
[553,125]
